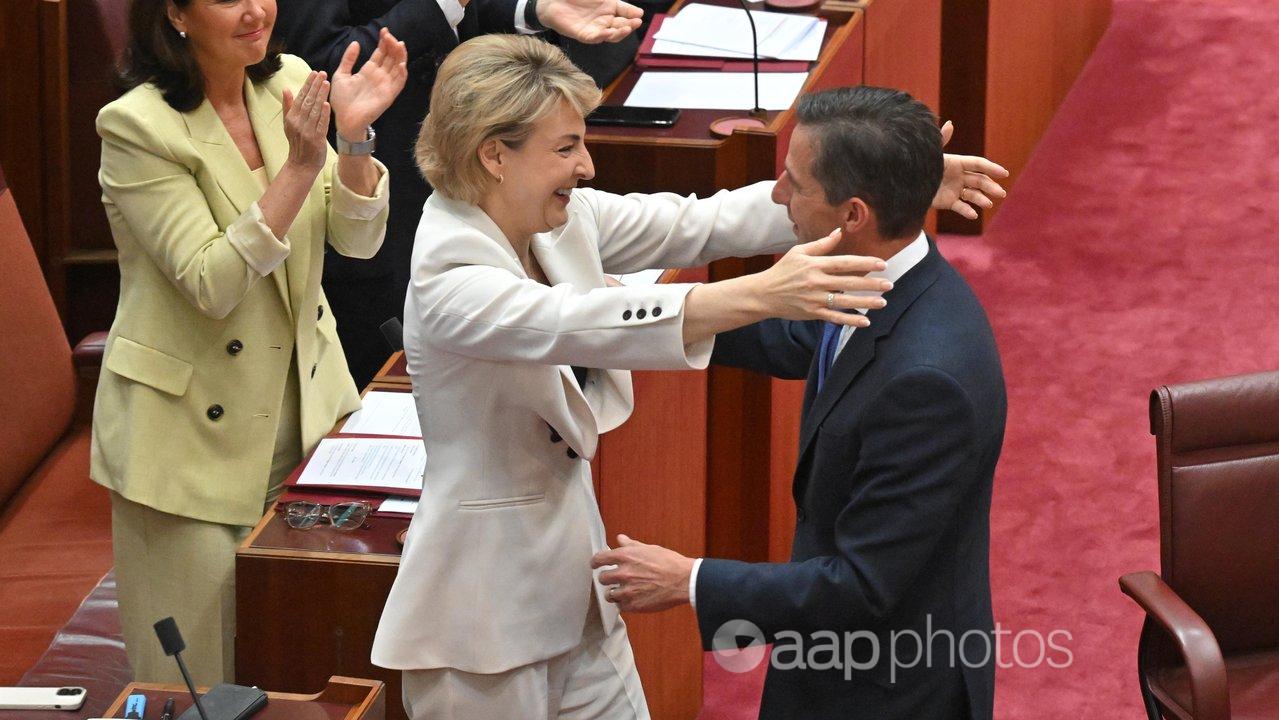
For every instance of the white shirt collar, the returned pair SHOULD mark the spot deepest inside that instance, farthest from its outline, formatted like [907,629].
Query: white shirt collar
[894,268]
[900,263]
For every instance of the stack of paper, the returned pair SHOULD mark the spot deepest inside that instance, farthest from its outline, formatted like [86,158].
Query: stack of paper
[387,465]
[385,413]
[715,91]
[715,31]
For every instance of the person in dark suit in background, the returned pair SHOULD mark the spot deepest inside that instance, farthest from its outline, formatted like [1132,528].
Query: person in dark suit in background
[902,427]
[363,294]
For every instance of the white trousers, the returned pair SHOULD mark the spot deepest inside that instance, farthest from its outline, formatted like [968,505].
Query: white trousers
[596,680]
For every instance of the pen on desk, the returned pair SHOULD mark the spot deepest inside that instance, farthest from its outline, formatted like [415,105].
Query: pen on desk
[167,714]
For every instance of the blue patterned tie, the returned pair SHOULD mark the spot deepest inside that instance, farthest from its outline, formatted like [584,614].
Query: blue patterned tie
[830,342]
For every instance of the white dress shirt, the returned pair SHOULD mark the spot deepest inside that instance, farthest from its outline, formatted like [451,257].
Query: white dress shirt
[454,10]
[894,268]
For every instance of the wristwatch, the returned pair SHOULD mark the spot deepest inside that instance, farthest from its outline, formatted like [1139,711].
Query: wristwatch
[364,147]
[530,17]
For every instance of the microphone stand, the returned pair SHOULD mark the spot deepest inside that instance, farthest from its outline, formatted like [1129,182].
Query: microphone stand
[757,112]
[725,126]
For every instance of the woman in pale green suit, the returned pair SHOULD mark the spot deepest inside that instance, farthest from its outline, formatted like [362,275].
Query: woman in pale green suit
[223,364]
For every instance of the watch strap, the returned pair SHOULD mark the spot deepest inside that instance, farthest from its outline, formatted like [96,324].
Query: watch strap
[364,147]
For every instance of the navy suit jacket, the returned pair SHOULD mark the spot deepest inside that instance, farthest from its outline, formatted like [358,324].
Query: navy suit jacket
[892,489]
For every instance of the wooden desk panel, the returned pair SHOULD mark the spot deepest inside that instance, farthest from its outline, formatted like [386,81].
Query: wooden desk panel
[308,603]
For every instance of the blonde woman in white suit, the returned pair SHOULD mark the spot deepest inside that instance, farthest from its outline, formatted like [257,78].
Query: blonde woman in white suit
[223,364]
[520,353]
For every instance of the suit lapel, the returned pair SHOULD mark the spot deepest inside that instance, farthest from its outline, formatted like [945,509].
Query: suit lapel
[226,163]
[860,349]
[560,267]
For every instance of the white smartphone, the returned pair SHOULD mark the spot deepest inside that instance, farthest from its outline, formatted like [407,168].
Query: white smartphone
[41,698]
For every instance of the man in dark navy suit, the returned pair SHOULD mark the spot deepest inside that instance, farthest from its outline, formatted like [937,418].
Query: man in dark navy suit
[884,610]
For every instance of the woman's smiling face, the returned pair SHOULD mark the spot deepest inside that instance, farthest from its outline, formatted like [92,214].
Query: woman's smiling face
[539,175]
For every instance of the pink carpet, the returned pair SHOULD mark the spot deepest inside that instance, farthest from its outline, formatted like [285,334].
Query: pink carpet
[1138,249]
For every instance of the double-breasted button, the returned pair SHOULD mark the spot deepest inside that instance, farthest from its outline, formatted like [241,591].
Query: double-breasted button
[555,437]
[215,411]
[641,314]
[313,369]
[571,455]
[626,314]
[657,311]
[234,347]
[319,312]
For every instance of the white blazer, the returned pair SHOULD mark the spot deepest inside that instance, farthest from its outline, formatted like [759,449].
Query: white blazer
[495,572]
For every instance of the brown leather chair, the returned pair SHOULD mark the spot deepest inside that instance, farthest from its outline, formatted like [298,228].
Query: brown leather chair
[1210,645]
[55,524]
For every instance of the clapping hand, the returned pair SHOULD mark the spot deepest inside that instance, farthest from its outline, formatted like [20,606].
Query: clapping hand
[590,21]
[360,98]
[967,180]
[306,123]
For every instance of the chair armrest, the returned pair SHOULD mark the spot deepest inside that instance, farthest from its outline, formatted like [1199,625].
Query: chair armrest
[87,355]
[87,359]
[1194,640]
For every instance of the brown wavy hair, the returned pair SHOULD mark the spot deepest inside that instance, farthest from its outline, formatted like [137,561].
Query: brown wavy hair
[156,54]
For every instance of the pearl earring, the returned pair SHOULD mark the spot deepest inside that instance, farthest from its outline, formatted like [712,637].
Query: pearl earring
[182,34]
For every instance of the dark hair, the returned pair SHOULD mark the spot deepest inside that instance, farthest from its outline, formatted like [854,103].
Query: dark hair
[880,145]
[156,54]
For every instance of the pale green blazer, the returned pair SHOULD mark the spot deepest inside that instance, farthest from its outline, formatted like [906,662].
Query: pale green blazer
[212,304]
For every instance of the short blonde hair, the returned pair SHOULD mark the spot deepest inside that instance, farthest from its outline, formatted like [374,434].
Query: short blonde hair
[493,86]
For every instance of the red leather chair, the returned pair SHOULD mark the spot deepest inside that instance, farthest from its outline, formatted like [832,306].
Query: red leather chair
[55,524]
[1209,648]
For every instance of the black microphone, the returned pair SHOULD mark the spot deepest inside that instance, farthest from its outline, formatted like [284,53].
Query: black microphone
[725,126]
[393,332]
[171,640]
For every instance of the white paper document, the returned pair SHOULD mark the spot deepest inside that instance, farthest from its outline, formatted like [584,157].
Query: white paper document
[366,462]
[405,505]
[385,413]
[726,32]
[716,90]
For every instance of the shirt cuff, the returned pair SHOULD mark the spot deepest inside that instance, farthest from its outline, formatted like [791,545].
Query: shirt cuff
[253,240]
[453,12]
[350,204]
[692,583]
[521,26]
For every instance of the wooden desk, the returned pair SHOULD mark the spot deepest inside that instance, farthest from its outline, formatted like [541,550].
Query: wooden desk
[343,698]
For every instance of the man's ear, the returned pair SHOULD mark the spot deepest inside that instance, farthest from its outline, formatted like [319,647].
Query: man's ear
[490,153]
[857,216]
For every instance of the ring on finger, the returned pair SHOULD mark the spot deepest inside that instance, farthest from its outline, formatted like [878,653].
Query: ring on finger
[611,590]
[830,301]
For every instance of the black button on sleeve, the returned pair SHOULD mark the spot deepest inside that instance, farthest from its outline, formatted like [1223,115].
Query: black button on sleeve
[319,311]
[657,311]
[234,347]
[626,314]
[214,412]
[641,314]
